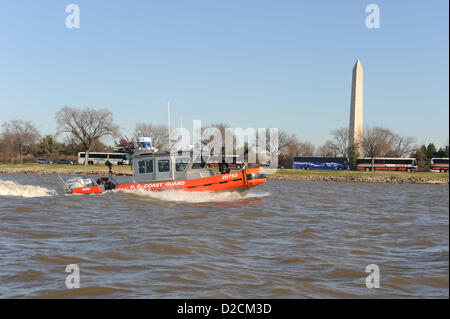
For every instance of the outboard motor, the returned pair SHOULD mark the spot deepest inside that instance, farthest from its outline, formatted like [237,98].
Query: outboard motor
[107,183]
[224,168]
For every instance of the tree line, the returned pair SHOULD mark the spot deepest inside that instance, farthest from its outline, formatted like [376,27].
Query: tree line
[84,130]
[21,141]
[424,154]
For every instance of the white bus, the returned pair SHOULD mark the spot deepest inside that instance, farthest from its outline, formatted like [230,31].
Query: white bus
[387,164]
[439,165]
[96,158]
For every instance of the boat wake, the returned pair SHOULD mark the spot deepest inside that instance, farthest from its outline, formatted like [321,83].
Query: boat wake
[10,188]
[193,197]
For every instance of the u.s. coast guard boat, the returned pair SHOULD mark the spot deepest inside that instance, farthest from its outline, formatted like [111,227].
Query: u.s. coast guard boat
[157,171]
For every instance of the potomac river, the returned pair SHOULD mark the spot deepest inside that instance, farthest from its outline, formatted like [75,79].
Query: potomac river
[285,239]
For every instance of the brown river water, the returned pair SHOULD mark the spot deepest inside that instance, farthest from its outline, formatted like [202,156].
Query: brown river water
[285,239]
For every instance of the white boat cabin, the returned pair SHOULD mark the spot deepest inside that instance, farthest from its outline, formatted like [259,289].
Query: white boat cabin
[149,165]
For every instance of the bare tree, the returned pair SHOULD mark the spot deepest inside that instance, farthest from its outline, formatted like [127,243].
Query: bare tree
[221,127]
[6,146]
[402,146]
[86,126]
[20,134]
[285,142]
[377,142]
[285,147]
[158,133]
[327,149]
[281,145]
[382,142]
[340,144]
[306,148]
[422,158]
[289,147]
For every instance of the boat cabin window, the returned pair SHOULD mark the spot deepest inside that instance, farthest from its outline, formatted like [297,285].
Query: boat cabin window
[145,166]
[163,166]
[181,164]
[199,164]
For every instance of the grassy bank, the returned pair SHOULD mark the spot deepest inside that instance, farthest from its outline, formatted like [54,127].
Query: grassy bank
[298,172]
[362,176]
[34,168]
[284,174]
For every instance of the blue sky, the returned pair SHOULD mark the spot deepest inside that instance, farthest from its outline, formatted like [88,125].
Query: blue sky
[284,64]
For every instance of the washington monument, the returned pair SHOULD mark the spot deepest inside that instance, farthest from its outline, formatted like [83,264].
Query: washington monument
[355,129]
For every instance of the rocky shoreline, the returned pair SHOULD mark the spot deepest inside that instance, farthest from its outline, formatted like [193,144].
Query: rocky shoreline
[282,177]
[359,179]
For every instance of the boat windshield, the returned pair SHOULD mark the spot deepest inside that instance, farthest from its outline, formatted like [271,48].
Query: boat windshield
[181,164]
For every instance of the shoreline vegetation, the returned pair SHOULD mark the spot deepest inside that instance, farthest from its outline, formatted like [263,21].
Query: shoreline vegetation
[284,174]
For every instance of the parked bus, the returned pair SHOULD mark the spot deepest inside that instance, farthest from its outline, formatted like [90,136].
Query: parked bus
[439,165]
[232,160]
[387,164]
[96,158]
[320,162]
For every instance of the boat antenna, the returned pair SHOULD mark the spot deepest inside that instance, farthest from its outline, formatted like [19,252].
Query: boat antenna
[168,115]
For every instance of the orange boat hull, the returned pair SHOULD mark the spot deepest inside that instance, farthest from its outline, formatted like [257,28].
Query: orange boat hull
[240,181]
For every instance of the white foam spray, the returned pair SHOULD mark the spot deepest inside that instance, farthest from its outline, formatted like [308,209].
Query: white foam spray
[10,188]
[193,197]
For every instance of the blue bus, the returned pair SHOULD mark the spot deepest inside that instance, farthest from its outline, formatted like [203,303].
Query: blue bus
[320,162]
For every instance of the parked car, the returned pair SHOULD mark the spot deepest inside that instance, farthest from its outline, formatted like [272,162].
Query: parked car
[44,161]
[63,161]
[279,166]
